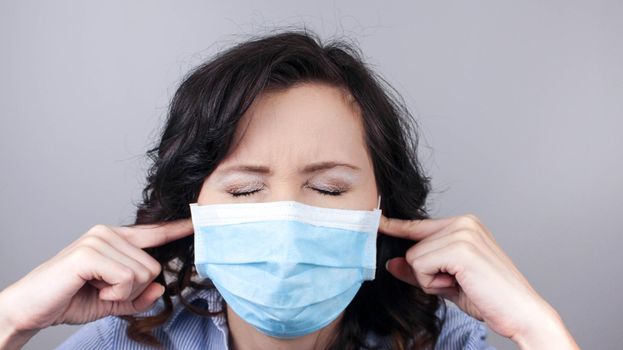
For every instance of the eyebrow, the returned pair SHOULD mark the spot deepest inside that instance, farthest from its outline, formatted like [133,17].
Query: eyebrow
[310,168]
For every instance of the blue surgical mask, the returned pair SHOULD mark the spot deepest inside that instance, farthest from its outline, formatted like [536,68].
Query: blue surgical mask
[285,267]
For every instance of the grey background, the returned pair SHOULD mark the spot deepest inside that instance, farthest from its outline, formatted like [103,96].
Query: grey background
[520,108]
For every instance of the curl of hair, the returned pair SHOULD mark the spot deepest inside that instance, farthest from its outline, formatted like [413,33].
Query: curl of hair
[198,133]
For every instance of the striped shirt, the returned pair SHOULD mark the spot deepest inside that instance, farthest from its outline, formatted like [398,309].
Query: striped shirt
[187,330]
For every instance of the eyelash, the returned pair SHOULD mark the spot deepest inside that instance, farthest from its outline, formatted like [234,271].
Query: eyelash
[328,193]
[243,194]
[323,192]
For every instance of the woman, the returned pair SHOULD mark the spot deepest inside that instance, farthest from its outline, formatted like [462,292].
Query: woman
[283,118]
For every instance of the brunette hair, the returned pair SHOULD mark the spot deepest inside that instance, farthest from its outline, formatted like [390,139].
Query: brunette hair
[202,118]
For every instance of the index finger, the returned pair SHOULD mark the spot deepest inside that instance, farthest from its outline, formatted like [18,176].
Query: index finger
[412,229]
[154,235]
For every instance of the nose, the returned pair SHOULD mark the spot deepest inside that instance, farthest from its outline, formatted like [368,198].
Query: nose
[286,192]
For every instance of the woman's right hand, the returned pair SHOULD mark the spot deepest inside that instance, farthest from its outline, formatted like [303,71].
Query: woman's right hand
[104,272]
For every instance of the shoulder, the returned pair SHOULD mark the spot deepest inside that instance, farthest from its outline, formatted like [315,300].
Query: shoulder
[183,327]
[461,331]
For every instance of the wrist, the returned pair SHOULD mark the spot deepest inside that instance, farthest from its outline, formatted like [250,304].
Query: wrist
[10,336]
[547,331]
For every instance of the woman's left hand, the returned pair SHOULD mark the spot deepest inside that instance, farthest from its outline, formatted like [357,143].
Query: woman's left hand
[458,258]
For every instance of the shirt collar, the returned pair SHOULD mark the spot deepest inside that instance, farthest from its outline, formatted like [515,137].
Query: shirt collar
[207,299]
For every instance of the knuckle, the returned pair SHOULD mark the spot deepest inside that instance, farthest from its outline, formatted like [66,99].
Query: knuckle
[423,281]
[83,253]
[105,232]
[91,241]
[126,274]
[415,264]
[463,247]
[98,228]
[468,221]
[472,217]
[412,254]
[154,267]
[143,275]
[465,235]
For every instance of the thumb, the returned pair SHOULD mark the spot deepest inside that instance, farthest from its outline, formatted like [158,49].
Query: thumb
[142,303]
[400,268]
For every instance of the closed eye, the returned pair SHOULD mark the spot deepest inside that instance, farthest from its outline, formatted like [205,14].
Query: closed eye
[328,193]
[329,190]
[243,194]
[323,192]
[245,190]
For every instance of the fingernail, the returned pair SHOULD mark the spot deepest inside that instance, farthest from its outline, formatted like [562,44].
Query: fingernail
[386,265]
[162,289]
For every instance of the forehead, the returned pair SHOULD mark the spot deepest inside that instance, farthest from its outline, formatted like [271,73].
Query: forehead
[306,122]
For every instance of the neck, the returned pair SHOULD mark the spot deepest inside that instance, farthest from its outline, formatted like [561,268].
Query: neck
[243,336]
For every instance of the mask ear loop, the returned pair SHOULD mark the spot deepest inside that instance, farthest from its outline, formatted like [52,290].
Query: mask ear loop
[378,205]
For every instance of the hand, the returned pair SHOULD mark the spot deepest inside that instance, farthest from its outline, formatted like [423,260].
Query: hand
[104,272]
[458,258]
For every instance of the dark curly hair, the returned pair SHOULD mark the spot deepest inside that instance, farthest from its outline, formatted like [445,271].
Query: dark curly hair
[203,116]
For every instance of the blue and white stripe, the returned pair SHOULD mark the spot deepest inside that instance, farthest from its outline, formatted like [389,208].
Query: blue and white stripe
[186,330]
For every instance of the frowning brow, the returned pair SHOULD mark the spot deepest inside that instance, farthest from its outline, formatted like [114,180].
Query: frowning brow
[264,170]
[313,167]
[246,168]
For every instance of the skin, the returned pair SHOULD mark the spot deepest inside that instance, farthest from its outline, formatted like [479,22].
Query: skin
[281,135]
[106,272]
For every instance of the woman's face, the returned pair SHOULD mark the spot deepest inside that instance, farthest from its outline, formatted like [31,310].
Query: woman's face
[306,144]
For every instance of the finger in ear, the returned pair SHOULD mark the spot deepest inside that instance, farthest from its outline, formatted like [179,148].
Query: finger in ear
[400,269]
